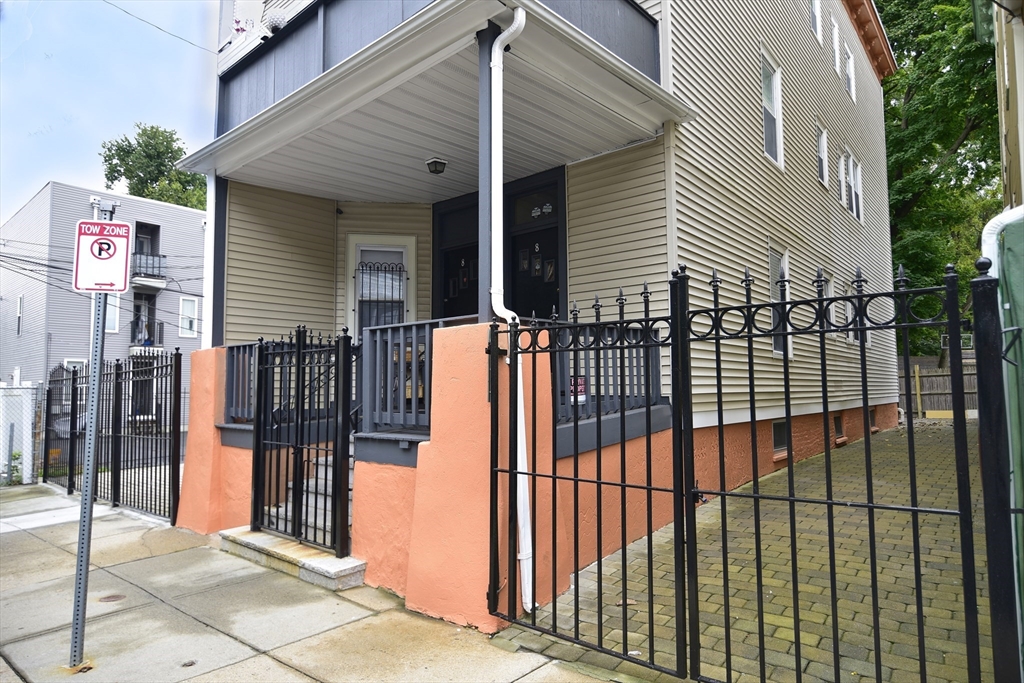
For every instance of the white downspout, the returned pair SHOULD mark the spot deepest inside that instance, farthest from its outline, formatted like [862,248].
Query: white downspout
[498,289]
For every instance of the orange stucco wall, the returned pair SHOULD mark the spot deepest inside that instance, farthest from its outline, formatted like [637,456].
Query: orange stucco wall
[424,531]
[216,481]
[382,511]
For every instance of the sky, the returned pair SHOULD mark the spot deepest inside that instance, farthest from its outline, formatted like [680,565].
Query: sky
[74,73]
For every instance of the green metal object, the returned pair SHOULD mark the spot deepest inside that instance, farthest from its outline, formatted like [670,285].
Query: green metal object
[1003,242]
[984,23]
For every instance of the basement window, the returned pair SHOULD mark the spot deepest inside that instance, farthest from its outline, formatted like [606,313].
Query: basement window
[837,423]
[780,437]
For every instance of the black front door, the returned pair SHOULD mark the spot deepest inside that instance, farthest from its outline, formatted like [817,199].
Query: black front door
[459,281]
[534,250]
[534,270]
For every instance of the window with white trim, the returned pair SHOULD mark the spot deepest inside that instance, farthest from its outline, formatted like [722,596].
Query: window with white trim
[21,312]
[816,19]
[822,136]
[112,322]
[850,179]
[188,316]
[851,80]
[771,101]
[841,177]
[835,46]
[75,364]
[778,267]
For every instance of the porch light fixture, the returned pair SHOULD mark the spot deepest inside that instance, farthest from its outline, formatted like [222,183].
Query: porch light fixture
[436,165]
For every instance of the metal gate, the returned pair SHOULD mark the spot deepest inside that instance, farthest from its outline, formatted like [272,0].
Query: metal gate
[302,428]
[138,439]
[822,545]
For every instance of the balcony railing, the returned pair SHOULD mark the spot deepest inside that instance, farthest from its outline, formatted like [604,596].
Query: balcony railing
[149,265]
[147,332]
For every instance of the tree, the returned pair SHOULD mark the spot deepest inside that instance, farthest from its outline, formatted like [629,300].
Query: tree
[942,140]
[146,164]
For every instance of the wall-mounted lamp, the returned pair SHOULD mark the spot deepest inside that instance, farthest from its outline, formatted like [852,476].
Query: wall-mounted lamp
[436,165]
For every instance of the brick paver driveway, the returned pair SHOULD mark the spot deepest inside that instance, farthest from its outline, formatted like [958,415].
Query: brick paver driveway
[940,568]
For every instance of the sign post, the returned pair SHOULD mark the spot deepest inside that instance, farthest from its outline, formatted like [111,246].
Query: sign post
[101,266]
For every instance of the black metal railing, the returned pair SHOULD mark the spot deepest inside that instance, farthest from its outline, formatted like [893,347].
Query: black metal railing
[139,437]
[146,331]
[617,544]
[149,265]
[397,366]
[240,383]
[302,431]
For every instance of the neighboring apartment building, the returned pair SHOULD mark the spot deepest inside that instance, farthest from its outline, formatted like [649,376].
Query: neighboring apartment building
[46,323]
[638,135]
[1009,39]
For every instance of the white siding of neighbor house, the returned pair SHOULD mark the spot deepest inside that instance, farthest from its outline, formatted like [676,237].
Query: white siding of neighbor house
[732,201]
[279,265]
[385,219]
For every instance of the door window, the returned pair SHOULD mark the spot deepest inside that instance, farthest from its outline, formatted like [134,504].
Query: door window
[380,283]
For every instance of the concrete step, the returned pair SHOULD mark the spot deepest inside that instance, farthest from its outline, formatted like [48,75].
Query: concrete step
[310,564]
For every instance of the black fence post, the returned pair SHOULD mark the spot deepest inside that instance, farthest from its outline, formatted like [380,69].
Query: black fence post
[682,450]
[116,434]
[73,432]
[342,435]
[47,426]
[298,434]
[174,458]
[258,467]
[994,448]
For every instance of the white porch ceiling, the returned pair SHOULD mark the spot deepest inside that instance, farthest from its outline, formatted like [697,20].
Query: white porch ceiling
[364,130]
[378,152]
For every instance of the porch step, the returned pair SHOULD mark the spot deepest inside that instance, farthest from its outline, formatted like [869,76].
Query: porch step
[312,565]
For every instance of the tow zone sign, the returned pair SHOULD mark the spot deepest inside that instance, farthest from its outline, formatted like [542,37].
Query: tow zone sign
[101,256]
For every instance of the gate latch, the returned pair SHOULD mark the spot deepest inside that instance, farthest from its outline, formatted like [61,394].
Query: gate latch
[1014,340]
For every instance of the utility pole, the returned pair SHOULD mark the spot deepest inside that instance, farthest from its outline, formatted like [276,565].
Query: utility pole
[102,210]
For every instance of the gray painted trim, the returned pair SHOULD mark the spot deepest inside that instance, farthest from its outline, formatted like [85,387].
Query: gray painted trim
[220,249]
[389,449]
[636,426]
[236,435]
[485,40]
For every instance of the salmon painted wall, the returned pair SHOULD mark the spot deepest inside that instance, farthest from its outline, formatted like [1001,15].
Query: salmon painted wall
[216,480]
[425,531]
[382,510]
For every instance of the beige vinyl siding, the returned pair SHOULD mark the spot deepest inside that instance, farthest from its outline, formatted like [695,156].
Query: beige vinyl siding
[386,219]
[616,228]
[280,263]
[732,201]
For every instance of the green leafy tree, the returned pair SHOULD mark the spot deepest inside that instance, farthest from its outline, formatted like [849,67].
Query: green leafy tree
[942,139]
[146,164]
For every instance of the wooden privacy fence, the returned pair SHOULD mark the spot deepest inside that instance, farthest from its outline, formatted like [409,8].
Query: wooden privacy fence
[931,390]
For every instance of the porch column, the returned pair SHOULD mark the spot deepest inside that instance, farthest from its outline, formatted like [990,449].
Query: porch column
[485,40]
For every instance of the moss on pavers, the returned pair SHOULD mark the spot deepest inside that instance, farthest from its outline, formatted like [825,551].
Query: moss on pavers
[532,642]
[567,652]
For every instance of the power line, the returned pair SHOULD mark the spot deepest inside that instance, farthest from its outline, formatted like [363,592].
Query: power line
[32,275]
[159,28]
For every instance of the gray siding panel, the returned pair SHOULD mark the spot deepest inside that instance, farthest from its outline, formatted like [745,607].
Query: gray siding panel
[24,236]
[619,25]
[296,60]
[350,25]
[247,93]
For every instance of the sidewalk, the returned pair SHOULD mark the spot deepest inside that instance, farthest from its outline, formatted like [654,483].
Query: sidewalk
[166,606]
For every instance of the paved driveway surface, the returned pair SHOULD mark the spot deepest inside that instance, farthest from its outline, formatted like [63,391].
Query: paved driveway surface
[898,643]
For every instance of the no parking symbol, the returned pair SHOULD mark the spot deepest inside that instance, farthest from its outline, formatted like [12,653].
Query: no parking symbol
[101,256]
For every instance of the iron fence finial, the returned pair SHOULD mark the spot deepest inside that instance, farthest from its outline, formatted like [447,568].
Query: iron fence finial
[554,312]
[575,312]
[983,265]
[747,280]
[715,281]
[901,277]
[950,269]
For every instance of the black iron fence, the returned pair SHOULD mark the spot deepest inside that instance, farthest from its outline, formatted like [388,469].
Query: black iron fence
[240,383]
[302,431]
[607,544]
[139,436]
